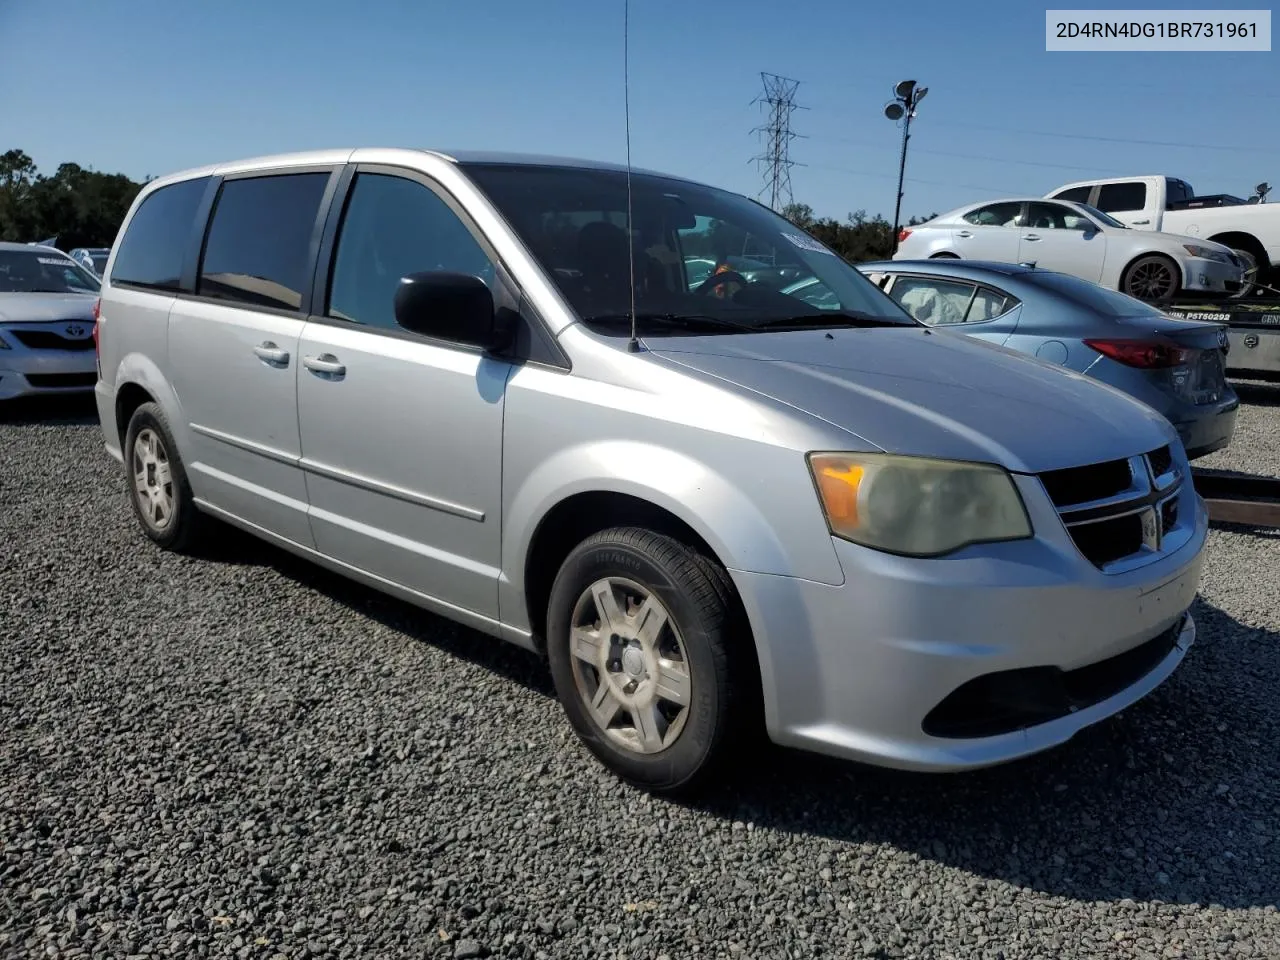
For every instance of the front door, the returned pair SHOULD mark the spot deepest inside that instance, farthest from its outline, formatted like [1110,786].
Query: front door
[1059,238]
[233,350]
[401,435]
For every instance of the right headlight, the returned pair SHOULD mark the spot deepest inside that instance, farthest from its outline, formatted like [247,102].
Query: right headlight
[917,506]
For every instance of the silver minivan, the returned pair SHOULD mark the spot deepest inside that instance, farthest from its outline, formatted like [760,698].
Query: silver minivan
[488,385]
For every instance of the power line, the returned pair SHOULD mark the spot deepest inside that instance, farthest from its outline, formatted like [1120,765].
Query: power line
[974,156]
[779,98]
[934,183]
[1234,148]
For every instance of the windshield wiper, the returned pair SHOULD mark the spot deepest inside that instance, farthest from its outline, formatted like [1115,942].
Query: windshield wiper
[686,320]
[833,318]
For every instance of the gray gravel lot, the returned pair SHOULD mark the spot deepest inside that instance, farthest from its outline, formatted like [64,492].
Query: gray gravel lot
[1255,448]
[245,756]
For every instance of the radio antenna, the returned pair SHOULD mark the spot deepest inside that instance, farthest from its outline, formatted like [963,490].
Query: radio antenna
[634,344]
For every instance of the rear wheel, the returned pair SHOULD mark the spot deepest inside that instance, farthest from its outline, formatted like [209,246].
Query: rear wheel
[1153,277]
[639,630]
[158,486]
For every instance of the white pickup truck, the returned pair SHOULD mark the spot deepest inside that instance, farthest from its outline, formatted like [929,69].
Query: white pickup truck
[1250,227]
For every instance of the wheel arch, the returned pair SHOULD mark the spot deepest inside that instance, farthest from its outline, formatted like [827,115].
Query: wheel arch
[138,380]
[1144,254]
[1242,240]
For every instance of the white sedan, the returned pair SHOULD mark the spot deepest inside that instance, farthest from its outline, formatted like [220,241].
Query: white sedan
[1075,238]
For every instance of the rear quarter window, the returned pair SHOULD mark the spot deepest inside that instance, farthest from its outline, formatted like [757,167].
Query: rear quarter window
[155,241]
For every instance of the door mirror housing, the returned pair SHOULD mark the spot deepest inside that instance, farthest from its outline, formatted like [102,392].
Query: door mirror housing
[451,306]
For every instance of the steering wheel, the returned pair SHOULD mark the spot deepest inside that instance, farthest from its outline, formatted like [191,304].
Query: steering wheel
[717,279]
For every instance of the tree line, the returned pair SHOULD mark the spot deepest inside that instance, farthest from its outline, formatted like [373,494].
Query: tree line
[858,239]
[82,208]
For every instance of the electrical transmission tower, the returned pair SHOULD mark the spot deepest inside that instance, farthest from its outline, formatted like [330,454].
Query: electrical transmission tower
[779,102]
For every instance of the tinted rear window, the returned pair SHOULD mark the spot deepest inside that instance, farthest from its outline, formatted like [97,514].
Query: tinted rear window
[1122,197]
[1075,194]
[1110,303]
[155,241]
[258,248]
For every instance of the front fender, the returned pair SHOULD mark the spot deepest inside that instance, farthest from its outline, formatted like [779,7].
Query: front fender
[791,540]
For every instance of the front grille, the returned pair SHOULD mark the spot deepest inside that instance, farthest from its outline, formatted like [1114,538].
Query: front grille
[1118,509]
[1106,541]
[62,379]
[48,340]
[1009,700]
[1161,461]
[1083,484]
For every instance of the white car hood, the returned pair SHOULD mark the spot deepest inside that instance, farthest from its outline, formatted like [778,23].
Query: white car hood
[932,393]
[46,307]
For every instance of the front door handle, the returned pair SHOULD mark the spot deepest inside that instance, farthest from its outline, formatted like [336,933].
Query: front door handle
[1031,236]
[964,233]
[1138,223]
[326,364]
[268,352]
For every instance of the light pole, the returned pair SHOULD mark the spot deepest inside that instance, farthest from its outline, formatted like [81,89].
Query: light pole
[906,96]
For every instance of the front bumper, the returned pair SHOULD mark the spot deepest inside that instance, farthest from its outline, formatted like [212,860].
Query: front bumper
[854,670]
[25,371]
[1211,276]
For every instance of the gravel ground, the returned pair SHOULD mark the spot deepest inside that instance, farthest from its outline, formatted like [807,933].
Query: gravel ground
[1255,447]
[244,756]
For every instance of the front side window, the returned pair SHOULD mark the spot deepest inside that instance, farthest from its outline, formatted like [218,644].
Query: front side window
[41,271]
[701,258]
[257,248]
[1052,216]
[394,227]
[995,215]
[155,242]
[1122,197]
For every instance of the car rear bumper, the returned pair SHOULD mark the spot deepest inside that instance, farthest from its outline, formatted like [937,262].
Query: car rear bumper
[1210,430]
[896,666]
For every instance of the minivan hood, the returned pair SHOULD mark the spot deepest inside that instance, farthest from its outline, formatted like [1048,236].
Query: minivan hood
[932,393]
[45,307]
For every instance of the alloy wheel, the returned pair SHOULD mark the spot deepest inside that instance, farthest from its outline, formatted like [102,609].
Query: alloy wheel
[629,665]
[153,479]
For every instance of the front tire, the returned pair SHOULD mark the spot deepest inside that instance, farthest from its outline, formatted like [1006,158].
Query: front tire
[639,630]
[158,487]
[1152,277]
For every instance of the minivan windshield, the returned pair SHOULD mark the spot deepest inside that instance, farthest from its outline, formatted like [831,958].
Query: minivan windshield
[43,271]
[705,260]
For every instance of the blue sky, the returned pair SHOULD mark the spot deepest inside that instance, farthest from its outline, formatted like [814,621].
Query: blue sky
[151,86]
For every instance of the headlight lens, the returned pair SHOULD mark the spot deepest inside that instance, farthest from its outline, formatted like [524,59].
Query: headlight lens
[1204,253]
[917,506]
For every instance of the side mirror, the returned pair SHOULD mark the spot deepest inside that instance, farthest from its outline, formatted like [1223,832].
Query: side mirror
[451,306]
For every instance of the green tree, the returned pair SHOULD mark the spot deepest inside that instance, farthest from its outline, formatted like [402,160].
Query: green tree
[82,208]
